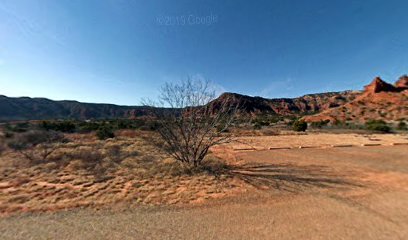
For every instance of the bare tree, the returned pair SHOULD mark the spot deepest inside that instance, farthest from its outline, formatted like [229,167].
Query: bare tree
[190,121]
[36,145]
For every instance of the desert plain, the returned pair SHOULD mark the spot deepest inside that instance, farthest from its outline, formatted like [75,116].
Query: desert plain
[288,186]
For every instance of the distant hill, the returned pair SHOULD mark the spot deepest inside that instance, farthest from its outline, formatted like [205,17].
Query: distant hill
[307,104]
[25,108]
[379,100]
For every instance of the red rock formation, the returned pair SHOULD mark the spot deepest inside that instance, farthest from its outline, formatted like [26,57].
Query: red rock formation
[306,104]
[402,83]
[380,100]
[378,85]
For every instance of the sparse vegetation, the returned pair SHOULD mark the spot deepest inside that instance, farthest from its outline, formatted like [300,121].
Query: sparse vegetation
[378,126]
[61,126]
[402,126]
[299,126]
[36,145]
[104,133]
[265,120]
[319,124]
[257,126]
[70,126]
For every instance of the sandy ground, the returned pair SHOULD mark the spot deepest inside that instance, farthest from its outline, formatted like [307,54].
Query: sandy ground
[318,140]
[331,193]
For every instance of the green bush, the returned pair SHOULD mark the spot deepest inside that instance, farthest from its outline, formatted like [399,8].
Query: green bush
[378,126]
[60,126]
[150,126]
[402,126]
[69,126]
[18,127]
[85,127]
[319,124]
[105,133]
[299,126]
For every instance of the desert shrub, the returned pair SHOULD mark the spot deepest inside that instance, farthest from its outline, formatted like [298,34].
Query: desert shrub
[104,133]
[127,123]
[150,125]
[261,121]
[18,127]
[291,120]
[89,156]
[222,129]
[60,126]
[353,126]
[347,125]
[378,126]
[155,167]
[189,129]
[215,166]
[402,126]
[299,126]
[114,152]
[85,127]
[91,160]
[127,133]
[319,124]
[70,126]
[36,145]
[257,126]
[265,120]
[290,123]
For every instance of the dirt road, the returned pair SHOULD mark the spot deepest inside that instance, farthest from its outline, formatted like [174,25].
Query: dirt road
[337,193]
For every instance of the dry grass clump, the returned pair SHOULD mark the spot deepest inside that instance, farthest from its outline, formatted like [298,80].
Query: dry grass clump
[270,132]
[98,173]
[170,167]
[128,133]
[36,146]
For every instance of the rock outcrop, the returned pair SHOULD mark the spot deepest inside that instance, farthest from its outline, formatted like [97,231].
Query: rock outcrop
[307,104]
[378,85]
[379,100]
[402,83]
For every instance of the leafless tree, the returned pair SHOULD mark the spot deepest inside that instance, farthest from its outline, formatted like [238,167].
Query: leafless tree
[190,120]
[36,145]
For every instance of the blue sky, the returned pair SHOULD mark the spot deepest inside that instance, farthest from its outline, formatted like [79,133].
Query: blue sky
[118,51]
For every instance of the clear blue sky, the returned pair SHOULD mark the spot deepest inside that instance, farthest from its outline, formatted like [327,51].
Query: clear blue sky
[119,51]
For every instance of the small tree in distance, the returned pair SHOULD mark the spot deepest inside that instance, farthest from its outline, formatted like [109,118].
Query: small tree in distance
[189,121]
[104,133]
[299,126]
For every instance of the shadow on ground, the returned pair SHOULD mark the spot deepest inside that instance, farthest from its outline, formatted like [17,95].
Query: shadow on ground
[289,177]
